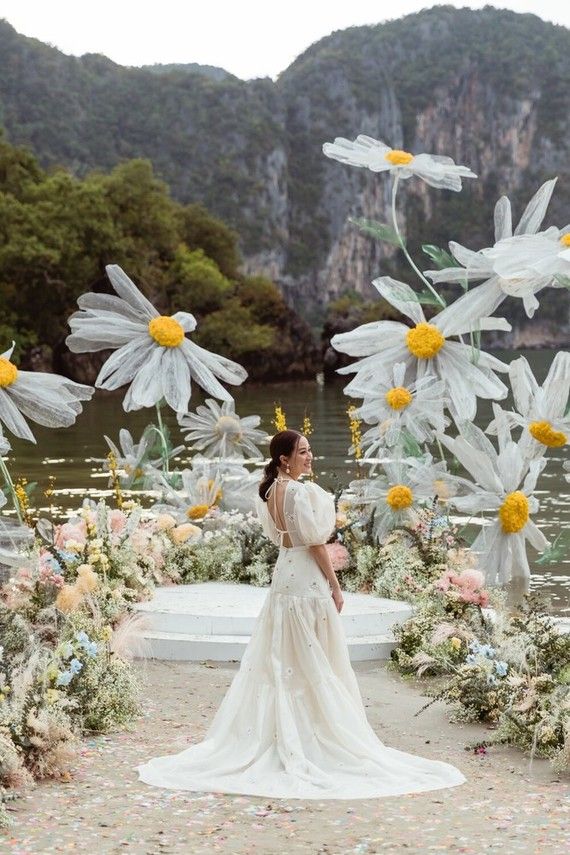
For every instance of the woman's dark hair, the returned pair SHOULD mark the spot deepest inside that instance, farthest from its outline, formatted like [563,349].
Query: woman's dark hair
[285,442]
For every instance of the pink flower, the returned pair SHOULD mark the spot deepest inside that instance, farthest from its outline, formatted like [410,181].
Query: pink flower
[472,580]
[448,577]
[117,521]
[70,531]
[339,555]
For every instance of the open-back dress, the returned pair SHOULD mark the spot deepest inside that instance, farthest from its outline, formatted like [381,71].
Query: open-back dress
[292,723]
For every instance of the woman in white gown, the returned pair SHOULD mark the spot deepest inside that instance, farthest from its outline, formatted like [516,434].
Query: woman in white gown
[292,723]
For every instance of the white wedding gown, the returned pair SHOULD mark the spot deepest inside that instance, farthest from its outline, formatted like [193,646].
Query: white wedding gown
[292,723]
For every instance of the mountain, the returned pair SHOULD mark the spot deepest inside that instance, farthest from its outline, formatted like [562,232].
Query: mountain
[489,87]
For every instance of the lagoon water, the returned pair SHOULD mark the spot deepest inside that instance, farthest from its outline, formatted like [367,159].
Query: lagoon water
[69,455]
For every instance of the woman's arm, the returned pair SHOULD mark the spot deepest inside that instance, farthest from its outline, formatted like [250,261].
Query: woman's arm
[321,555]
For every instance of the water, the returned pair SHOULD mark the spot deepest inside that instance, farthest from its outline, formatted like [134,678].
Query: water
[69,455]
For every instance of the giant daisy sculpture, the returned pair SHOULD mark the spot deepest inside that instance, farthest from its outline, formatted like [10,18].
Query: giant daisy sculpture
[201,492]
[503,483]
[217,431]
[395,497]
[436,170]
[394,407]
[152,352]
[540,410]
[47,399]
[427,348]
[517,265]
[133,457]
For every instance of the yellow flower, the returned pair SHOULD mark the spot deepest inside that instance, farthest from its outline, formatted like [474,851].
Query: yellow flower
[107,632]
[181,533]
[165,521]
[68,598]
[455,642]
[87,579]
[279,420]
[52,695]
[355,432]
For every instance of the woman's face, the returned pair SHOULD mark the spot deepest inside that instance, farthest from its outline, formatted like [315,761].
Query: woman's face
[301,460]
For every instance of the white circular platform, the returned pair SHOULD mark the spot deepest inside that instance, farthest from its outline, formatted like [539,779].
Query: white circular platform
[213,620]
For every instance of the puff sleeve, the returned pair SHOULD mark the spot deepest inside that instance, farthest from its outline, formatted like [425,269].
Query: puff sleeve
[267,524]
[314,514]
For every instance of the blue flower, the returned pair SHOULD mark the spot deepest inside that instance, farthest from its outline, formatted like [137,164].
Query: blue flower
[63,678]
[75,666]
[91,648]
[491,680]
[501,668]
[470,658]
[82,637]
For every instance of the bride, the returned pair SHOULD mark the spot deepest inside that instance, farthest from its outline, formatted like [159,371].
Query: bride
[292,723]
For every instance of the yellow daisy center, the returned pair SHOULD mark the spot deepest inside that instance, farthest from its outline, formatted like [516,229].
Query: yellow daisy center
[399,497]
[544,432]
[513,513]
[398,397]
[196,512]
[397,157]
[565,239]
[424,340]
[166,331]
[8,372]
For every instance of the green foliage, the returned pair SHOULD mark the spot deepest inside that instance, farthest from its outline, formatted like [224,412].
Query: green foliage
[58,232]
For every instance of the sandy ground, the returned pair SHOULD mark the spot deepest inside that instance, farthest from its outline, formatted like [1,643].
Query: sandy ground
[506,805]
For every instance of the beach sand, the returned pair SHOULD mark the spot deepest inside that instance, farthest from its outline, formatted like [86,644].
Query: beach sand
[507,805]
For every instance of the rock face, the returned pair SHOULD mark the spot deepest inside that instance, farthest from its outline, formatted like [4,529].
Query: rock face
[490,88]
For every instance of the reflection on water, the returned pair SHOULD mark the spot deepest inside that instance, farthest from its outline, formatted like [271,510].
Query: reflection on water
[70,454]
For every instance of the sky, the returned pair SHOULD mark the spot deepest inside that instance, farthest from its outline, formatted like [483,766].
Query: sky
[249,38]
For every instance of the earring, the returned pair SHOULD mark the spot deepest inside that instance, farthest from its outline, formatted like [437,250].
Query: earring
[288,471]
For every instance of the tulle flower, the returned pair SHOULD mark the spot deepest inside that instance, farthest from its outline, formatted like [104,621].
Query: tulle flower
[436,170]
[201,491]
[217,431]
[47,399]
[132,458]
[152,352]
[516,265]
[426,349]
[503,483]
[394,498]
[393,406]
[541,410]
[14,538]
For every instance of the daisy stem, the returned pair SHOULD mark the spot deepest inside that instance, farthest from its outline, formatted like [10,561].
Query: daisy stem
[162,439]
[12,489]
[403,246]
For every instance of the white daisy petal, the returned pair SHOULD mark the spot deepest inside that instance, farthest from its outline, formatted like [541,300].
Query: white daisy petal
[401,296]
[535,211]
[128,291]
[503,219]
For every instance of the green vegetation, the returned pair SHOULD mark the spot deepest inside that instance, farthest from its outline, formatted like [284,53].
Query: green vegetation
[58,232]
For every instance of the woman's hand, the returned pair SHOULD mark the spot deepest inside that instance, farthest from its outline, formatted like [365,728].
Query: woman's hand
[338,599]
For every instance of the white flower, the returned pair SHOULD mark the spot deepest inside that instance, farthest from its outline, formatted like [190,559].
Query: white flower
[518,265]
[435,170]
[48,399]
[132,457]
[501,546]
[152,352]
[426,348]
[540,409]
[392,406]
[217,431]
[239,488]
[201,491]
[395,496]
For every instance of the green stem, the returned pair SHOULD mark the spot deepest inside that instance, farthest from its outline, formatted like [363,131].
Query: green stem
[163,440]
[403,246]
[12,489]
